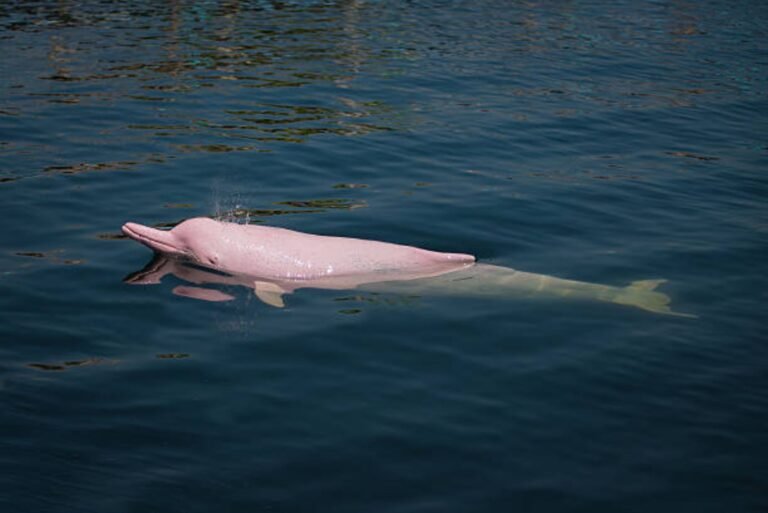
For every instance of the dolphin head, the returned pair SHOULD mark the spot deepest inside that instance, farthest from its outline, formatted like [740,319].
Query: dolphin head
[194,239]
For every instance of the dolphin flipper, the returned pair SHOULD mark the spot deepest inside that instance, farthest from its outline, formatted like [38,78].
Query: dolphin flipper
[269,293]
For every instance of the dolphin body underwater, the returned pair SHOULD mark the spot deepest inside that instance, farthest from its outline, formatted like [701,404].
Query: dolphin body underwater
[277,261]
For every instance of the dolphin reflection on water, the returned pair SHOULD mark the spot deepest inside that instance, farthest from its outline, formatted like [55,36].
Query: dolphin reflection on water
[274,262]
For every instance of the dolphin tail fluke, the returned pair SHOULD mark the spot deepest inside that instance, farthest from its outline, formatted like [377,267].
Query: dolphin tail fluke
[643,294]
[646,284]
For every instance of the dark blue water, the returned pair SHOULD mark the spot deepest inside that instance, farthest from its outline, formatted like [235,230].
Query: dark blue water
[605,142]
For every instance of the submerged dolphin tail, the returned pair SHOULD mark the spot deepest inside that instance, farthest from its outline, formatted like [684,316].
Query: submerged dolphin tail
[643,294]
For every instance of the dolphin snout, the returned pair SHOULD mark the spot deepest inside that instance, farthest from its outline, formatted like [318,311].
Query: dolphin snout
[157,240]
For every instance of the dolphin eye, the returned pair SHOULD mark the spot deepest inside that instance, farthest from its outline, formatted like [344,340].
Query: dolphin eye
[211,259]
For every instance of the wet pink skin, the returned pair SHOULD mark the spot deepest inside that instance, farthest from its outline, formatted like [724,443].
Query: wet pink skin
[280,254]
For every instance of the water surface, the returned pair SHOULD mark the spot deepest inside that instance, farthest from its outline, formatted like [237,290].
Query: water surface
[605,142]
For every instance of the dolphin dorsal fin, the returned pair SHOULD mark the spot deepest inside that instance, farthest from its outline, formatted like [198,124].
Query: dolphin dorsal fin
[269,293]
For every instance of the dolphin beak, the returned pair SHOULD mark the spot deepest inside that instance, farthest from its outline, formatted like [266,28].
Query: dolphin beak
[157,240]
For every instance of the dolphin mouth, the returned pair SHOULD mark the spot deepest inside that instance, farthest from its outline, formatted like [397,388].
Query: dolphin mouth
[157,240]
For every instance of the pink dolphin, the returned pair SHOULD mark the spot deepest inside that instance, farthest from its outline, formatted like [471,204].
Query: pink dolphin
[277,260]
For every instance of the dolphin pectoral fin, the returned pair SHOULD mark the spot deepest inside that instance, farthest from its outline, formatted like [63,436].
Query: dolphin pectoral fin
[269,293]
[202,293]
